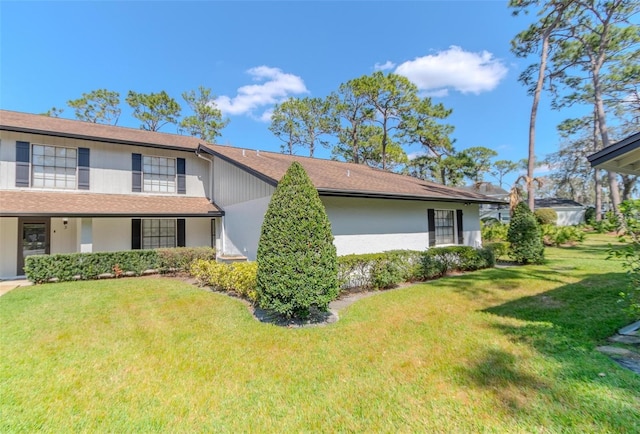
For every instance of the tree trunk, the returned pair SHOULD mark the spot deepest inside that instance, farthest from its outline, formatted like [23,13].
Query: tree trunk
[598,186]
[614,192]
[532,119]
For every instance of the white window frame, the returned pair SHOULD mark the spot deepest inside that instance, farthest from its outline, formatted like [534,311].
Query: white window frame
[158,233]
[438,229]
[157,177]
[54,168]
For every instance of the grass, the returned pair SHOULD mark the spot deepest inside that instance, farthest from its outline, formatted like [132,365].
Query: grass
[500,350]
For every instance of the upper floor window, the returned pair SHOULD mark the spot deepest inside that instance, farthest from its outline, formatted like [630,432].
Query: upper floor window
[159,174]
[53,167]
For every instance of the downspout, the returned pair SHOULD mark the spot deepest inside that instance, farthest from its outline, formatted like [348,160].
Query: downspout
[210,161]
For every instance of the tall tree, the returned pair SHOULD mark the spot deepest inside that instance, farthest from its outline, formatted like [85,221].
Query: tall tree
[353,115]
[390,96]
[421,125]
[481,158]
[448,170]
[303,122]
[206,121]
[100,106]
[502,168]
[539,36]
[602,50]
[154,110]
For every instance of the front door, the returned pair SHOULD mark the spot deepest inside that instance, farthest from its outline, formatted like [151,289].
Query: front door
[33,238]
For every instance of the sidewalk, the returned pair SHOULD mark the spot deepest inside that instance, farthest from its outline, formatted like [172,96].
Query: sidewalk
[8,285]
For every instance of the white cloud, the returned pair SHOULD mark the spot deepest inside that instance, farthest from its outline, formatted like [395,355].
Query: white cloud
[274,86]
[384,66]
[454,68]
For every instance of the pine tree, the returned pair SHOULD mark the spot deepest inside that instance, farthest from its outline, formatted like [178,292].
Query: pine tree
[297,261]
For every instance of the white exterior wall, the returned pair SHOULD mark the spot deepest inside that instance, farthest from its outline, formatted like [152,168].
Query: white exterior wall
[244,199]
[8,246]
[110,164]
[242,225]
[111,234]
[569,217]
[198,232]
[377,225]
[359,225]
[63,240]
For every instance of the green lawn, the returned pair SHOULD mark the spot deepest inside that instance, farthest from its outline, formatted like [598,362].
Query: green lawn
[500,350]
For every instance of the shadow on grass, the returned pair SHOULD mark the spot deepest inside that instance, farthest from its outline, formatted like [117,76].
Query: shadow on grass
[563,326]
[497,372]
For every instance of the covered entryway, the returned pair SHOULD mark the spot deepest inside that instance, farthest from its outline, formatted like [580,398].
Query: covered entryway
[33,238]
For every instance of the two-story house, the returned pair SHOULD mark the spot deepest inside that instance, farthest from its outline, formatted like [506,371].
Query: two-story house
[71,186]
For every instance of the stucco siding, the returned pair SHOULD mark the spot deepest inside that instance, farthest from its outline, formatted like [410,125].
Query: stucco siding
[232,185]
[110,163]
[198,232]
[242,225]
[376,225]
[570,217]
[8,246]
[63,240]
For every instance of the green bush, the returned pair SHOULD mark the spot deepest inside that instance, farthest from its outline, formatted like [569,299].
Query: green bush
[630,254]
[71,266]
[378,270]
[179,259]
[559,235]
[590,215]
[238,277]
[494,232]
[438,261]
[525,237]
[297,261]
[546,216]
[499,248]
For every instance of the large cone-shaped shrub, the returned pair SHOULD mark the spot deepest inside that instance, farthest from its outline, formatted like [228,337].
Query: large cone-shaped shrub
[525,237]
[297,262]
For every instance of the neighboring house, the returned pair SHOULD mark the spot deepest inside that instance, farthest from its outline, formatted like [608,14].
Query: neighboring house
[569,211]
[621,157]
[498,210]
[71,186]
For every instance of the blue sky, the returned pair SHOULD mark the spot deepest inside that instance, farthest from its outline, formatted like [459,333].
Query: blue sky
[255,54]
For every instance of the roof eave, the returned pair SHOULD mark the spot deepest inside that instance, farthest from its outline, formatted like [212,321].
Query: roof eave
[110,215]
[383,195]
[93,138]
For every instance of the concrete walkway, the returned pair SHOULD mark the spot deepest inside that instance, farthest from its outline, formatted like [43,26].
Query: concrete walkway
[8,285]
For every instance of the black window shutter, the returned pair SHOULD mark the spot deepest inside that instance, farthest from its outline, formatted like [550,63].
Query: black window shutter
[182,180]
[136,231]
[459,222]
[136,172]
[431,220]
[23,151]
[181,233]
[83,168]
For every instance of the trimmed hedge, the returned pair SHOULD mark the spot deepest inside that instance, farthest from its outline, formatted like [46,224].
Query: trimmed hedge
[378,270]
[385,270]
[238,277]
[438,261]
[87,266]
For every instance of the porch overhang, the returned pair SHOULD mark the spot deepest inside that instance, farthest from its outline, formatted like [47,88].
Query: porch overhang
[30,203]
